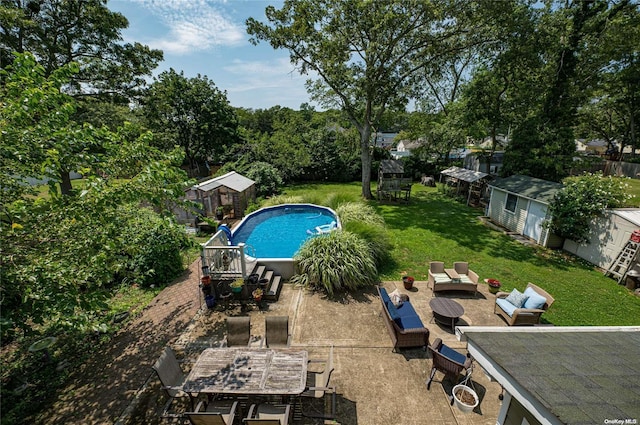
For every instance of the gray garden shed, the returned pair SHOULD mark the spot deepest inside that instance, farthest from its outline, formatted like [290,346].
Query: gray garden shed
[608,235]
[232,191]
[520,204]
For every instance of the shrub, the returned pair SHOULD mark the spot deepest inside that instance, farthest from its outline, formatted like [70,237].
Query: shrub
[282,199]
[581,200]
[336,261]
[358,211]
[267,178]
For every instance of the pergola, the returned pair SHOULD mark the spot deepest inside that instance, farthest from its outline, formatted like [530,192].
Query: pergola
[474,179]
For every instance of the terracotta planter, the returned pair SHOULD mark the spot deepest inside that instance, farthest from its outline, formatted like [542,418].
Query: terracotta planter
[408,282]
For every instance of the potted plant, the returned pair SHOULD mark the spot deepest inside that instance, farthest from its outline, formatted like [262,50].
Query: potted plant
[236,285]
[465,398]
[219,213]
[408,282]
[494,285]
[257,295]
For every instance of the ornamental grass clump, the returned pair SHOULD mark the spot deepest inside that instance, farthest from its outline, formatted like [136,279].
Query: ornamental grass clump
[358,211]
[334,262]
[376,236]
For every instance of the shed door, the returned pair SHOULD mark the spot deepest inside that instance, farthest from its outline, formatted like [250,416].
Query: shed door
[533,224]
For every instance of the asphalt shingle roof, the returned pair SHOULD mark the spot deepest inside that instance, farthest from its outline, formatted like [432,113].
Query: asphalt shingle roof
[530,187]
[580,377]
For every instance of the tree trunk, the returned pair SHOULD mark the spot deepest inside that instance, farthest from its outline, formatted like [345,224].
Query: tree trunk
[365,156]
[65,183]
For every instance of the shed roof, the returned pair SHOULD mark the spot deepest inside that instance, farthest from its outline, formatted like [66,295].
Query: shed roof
[464,174]
[581,376]
[632,215]
[391,166]
[529,187]
[232,180]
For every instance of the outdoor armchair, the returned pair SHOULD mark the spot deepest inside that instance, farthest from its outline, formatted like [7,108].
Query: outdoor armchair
[213,413]
[537,301]
[238,331]
[277,331]
[268,414]
[448,361]
[172,378]
[318,387]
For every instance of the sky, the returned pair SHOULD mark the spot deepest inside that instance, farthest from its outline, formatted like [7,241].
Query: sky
[209,37]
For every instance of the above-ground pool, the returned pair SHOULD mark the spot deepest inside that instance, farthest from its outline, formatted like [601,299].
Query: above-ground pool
[280,231]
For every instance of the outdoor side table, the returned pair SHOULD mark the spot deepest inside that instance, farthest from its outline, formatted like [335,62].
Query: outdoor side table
[446,311]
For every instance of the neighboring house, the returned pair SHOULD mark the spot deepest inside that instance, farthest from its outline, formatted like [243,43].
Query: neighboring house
[596,147]
[501,142]
[581,145]
[479,161]
[384,140]
[404,148]
[232,191]
[520,204]
[560,375]
[608,235]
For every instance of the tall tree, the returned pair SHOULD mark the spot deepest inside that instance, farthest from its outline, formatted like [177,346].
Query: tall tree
[365,54]
[543,144]
[192,113]
[59,32]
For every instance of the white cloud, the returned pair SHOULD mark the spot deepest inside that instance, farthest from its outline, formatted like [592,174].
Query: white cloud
[194,25]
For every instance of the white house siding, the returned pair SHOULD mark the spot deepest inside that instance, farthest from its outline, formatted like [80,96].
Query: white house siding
[608,235]
[515,221]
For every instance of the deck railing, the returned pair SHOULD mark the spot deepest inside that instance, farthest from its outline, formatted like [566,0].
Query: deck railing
[221,260]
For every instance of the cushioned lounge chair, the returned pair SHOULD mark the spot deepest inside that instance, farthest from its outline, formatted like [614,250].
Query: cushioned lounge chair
[537,302]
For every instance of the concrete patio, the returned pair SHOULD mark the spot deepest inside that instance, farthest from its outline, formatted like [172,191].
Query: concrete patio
[375,385]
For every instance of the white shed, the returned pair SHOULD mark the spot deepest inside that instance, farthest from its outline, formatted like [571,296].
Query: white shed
[608,236]
[520,204]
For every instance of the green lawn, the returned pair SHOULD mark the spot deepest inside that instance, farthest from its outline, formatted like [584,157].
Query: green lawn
[434,226]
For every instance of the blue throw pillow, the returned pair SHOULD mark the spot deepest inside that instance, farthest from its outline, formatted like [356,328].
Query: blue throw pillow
[517,298]
[535,300]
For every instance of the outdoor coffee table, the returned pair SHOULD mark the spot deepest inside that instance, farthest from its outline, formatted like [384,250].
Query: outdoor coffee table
[248,371]
[446,311]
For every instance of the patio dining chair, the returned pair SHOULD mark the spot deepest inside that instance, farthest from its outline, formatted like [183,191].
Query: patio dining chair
[213,413]
[238,331]
[318,387]
[172,378]
[277,331]
[268,414]
[448,361]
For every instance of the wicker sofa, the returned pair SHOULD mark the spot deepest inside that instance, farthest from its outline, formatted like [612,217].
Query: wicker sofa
[403,323]
[524,315]
[439,280]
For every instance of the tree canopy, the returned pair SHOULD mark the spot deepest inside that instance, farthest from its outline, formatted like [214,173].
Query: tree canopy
[365,55]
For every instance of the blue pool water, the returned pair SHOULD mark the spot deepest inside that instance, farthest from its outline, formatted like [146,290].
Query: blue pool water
[280,231]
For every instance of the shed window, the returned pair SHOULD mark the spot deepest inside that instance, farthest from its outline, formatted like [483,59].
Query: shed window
[512,200]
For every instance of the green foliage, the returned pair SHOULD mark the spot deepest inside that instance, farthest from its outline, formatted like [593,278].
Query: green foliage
[152,254]
[192,113]
[359,212]
[283,199]
[267,178]
[335,262]
[68,252]
[376,236]
[582,199]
